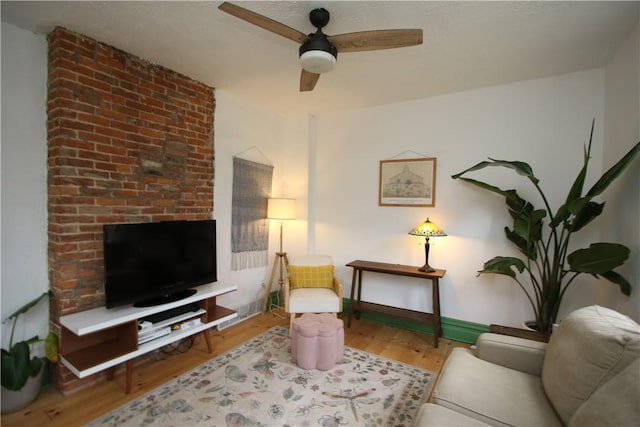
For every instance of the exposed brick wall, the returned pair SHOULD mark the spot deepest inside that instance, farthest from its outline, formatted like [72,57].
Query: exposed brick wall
[129,141]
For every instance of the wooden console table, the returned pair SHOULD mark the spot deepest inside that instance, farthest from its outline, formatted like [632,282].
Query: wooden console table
[357,305]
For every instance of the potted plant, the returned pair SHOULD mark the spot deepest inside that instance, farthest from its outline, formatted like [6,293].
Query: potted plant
[547,263]
[22,373]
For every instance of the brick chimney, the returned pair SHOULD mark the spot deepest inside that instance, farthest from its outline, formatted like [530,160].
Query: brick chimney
[129,141]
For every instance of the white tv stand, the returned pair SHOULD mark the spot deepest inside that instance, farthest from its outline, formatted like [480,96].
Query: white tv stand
[101,338]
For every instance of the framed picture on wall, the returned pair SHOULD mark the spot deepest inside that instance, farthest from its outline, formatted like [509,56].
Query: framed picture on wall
[407,182]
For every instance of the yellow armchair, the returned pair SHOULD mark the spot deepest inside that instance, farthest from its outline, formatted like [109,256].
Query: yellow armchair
[311,287]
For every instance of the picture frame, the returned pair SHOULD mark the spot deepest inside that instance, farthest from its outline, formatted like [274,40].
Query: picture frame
[407,182]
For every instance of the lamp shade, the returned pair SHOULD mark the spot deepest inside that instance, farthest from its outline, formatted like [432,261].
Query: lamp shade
[281,208]
[427,228]
[317,55]
[317,61]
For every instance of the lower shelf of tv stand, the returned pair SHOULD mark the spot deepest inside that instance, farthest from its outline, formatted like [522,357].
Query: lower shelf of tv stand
[99,339]
[82,363]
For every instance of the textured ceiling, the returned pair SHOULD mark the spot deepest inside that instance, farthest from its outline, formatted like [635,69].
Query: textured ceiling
[466,45]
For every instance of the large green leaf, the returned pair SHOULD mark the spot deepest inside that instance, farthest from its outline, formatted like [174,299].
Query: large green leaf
[475,167]
[484,185]
[610,175]
[581,207]
[529,227]
[521,168]
[584,216]
[560,216]
[27,306]
[614,277]
[521,243]
[503,265]
[598,258]
[576,189]
[576,205]
[17,367]
[516,205]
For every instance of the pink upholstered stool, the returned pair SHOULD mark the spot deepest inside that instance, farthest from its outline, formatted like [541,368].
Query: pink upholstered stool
[317,341]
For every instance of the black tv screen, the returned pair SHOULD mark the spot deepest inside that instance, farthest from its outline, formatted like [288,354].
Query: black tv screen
[155,263]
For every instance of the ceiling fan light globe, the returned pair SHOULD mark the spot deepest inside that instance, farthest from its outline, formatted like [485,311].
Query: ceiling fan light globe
[317,61]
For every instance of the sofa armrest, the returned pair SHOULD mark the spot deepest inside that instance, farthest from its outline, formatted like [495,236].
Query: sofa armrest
[512,352]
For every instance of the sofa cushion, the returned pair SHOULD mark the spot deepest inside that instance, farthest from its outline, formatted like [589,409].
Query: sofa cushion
[492,393]
[590,346]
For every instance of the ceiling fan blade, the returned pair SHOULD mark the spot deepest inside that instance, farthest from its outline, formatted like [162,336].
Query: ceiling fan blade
[375,40]
[263,22]
[308,81]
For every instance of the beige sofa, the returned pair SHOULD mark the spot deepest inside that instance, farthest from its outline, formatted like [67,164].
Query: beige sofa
[587,375]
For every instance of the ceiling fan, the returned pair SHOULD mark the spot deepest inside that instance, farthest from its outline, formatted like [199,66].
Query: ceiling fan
[318,51]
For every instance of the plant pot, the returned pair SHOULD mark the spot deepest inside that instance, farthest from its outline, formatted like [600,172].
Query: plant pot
[15,400]
[530,325]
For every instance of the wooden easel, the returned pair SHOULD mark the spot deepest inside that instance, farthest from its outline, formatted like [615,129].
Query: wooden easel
[281,209]
[280,258]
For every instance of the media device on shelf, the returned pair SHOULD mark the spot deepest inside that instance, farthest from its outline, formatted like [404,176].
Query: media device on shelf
[159,262]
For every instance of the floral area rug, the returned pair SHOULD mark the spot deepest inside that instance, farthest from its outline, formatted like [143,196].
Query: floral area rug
[259,384]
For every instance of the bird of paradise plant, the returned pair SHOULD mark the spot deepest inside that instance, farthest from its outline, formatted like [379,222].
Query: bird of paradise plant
[548,264]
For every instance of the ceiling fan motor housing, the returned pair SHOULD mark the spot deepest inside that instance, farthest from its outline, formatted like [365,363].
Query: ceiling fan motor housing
[319,17]
[317,54]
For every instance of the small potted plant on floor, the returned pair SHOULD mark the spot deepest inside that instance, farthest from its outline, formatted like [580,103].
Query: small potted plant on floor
[22,372]
[548,264]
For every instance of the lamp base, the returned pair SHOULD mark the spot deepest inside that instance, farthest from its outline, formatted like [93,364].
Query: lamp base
[426,269]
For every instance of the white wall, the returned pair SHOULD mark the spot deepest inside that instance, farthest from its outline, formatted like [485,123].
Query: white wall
[241,129]
[622,131]
[24,179]
[544,122]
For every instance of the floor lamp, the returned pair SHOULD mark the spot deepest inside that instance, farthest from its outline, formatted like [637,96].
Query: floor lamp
[279,209]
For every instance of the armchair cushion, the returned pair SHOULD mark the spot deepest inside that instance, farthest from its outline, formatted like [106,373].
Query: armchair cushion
[305,276]
[313,300]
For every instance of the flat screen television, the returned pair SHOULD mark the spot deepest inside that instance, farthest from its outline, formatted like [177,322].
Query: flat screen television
[155,263]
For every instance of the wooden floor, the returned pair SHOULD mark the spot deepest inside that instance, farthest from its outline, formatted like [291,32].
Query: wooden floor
[78,408]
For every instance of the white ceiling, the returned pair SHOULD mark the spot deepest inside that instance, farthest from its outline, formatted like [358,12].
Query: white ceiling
[466,45]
